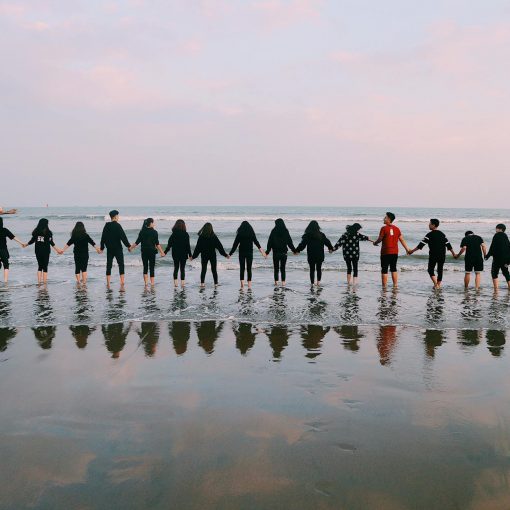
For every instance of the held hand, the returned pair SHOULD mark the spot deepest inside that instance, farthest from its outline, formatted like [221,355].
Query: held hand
[98,250]
[228,256]
[330,251]
[190,258]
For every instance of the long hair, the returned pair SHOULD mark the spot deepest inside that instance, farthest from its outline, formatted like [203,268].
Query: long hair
[1,223]
[79,231]
[313,230]
[179,226]
[246,230]
[42,228]
[146,224]
[206,231]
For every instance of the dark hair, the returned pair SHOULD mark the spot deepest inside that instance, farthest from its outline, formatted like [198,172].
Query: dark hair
[42,228]
[435,222]
[279,227]
[468,233]
[391,216]
[246,230]
[113,213]
[78,230]
[353,229]
[179,226]
[206,230]
[313,229]
[1,222]
[501,226]
[147,222]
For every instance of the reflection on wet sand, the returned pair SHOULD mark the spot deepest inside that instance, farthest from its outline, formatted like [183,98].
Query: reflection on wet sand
[433,339]
[180,332]
[6,335]
[81,334]
[207,333]
[350,335]
[349,307]
[316,305]
[386,343]
[469,338]
[83,310]
[245,337]
[435,308]
[115,336]
[278,305]
[43,307]
[278,340]
[148,333]
[114,309]
[496,340]
[312,336]
[45,336]
[5,306]
[388,306]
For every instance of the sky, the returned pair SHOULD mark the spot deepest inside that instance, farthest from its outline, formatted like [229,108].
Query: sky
[255,102]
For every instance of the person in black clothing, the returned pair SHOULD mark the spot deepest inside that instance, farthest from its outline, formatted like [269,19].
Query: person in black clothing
[4,252]
[113,238]
[245,239]
[81,241]
[438,244]
[315,240]
[149,239]
[42,237]
[279,241]
[349,241]
[500,253]
[475,250]
[179,243]
[206,247]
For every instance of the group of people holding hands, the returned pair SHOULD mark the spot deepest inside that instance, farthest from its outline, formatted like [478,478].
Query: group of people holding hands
[279,243]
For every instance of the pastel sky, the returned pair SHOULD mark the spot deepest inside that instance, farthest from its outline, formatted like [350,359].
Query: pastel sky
[260,102]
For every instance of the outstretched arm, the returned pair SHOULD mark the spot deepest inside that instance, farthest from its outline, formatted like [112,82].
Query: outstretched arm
[461,252]
[404,244]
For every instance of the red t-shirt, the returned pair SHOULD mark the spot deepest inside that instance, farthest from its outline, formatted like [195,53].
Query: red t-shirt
[390,235]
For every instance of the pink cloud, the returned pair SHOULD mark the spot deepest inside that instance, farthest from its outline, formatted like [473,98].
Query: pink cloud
[283,13]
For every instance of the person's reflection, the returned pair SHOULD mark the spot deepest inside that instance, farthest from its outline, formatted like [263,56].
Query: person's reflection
[498,310]
[5,306]
[180,332]
[114,309]
[316,305]
[278,305]
[149,337]
[433,339]
[469,338]
[82,308]
[45,336]
[115,336]
[81,334]
[312,336]
[386,343]
[6,335]
[350,336]
[349,307]
[179,302]
[278,340]
[435,307]
[43,306]
[387,312]
[207,333]
[245,302]
[245,337]
[471,309]
[148,302]
[496,340]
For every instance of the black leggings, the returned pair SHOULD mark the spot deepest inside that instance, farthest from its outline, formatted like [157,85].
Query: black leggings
[498,265]
[245,262]
[179,264]
[118,255]
[214,271]
[4,259]
[315,265]
[352,266]
[81,263]
[433,262]
[279,263]
[43,259]
[149,262]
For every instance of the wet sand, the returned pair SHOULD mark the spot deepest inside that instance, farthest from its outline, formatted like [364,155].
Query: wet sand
[235,416]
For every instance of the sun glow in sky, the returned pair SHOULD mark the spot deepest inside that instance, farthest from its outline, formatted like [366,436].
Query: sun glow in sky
[282,102]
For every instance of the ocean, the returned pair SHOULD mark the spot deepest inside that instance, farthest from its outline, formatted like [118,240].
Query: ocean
[23,303]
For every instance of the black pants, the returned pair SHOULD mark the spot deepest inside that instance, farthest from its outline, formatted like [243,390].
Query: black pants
[245,263]
[279,264]
[179,264]
[435,260]
[352,266]
[214,271]
[118,255]
[389,262]
[498,265]
[315,265]
[81,263]
[4,259]
[149,262]
[43,259]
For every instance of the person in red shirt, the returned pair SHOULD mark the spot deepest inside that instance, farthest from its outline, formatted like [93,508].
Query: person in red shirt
[390,236]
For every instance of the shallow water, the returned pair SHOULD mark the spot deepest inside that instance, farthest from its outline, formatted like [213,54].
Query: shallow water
[23,304]
[233,415]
